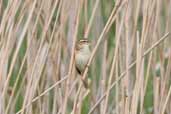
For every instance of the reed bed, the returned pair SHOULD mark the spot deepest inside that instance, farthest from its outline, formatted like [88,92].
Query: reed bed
[129,70]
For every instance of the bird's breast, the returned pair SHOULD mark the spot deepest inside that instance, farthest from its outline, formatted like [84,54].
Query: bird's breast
[81,60]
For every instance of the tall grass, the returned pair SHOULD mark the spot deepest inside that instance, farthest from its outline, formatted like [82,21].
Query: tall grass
[129,71]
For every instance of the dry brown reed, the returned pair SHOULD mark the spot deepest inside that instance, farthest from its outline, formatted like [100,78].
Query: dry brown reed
[129,68]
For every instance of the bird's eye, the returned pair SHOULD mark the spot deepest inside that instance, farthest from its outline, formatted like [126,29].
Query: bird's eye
[84,41]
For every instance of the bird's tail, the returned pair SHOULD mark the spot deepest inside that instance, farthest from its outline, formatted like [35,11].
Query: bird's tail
[85,84]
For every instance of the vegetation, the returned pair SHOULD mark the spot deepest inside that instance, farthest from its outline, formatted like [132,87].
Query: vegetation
[129,71]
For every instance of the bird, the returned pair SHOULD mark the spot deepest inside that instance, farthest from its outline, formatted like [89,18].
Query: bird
[82,56]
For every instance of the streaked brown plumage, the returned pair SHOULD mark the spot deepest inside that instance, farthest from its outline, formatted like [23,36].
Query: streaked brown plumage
[82,55]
